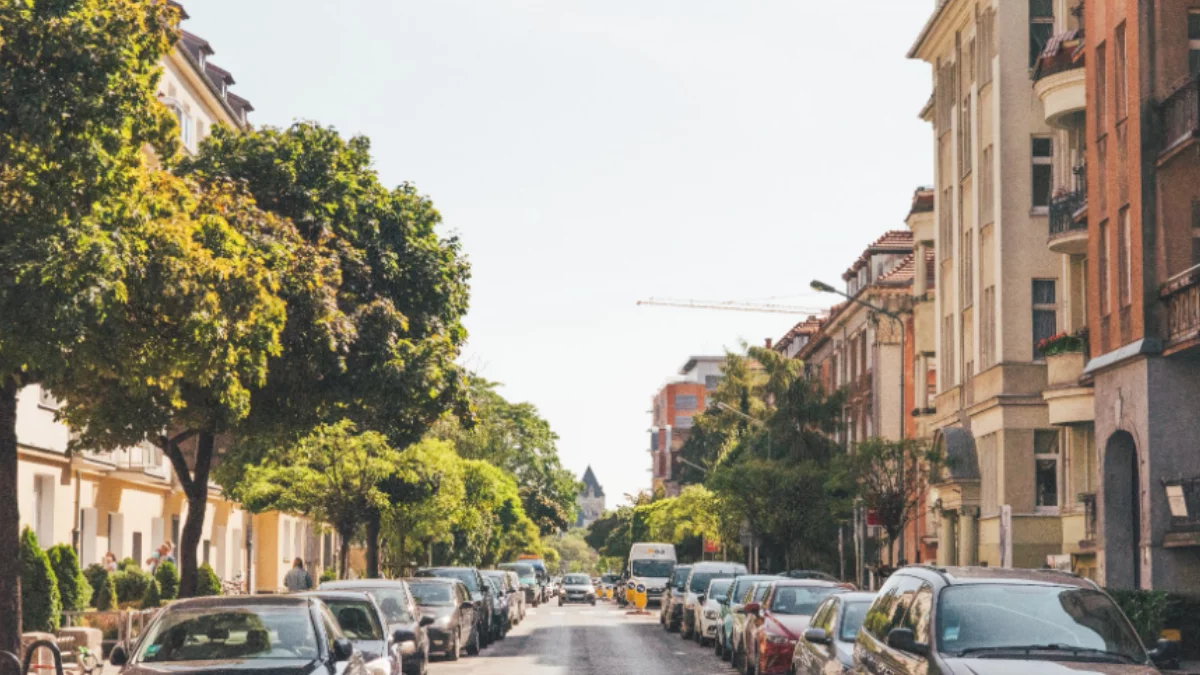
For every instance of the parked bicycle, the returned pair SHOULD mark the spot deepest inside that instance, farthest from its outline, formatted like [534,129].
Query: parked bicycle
[234,586]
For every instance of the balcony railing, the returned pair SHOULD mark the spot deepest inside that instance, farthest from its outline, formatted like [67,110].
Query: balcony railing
[1181,295]
[1063,208]
[1180,114]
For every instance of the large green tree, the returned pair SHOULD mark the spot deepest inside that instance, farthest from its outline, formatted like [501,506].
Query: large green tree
[490,524]
[77,107]
[433,490]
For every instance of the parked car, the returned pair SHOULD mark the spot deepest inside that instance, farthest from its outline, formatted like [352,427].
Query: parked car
[362,622]
[400,612]
[512,597]
[743,621]
[542,575]
[732,611]
[710,611]
[811,574]
[577,588]
[779,620]
[500,623]
[609,583]
[481,595]
[671,615]
[529,582]
[985,620]
[454,627]
[280,634]
[828,644]
[518,601]
[698,579]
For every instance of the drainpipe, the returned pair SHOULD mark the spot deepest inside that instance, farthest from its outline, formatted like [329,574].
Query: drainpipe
[76,532]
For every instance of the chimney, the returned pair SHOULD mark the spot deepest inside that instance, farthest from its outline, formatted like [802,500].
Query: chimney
[769,342]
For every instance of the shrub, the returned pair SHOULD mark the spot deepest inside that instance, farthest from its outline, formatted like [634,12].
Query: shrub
[41,606]
[1147,611]
[167,576]
[328,575]
[207,582]
[105,597]
[73,587]
[130,584]
[95,574]
[126,563]
[153,597]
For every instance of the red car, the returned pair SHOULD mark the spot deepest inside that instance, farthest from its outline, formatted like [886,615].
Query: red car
[779,621]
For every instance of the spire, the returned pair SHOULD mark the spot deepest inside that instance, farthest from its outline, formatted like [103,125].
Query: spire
[590,484]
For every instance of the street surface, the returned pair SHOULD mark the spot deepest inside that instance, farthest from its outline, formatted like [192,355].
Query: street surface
[583,640]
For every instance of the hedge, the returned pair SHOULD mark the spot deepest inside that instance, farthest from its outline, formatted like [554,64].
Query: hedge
[95,574]
[73,587]
[130,584]
[207,582]
[105,597]
[152,598]
[41,605]
[167,576]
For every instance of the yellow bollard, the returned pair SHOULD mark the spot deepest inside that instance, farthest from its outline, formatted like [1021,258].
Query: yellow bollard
[639,597]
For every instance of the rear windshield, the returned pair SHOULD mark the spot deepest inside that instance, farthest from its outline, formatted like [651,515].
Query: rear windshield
[431,594]
[680,577]
[852,619]
[357,619]
[719,590]
[802,600]
[700,580]
[393,602]
[651,568]
[466,575]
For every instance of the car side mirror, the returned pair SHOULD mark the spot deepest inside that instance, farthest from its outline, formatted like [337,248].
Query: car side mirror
[817,636]
[403,635]
[1164,652]
[427,620]
[701,598]
[903,639]
[752,608]
[118,656]
[466,605]
[343,649]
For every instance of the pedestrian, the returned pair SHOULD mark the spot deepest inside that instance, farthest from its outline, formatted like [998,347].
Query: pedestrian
[110,562]
[297,578]
[168,552]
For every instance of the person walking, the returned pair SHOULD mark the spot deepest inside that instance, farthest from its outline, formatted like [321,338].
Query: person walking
[297,578]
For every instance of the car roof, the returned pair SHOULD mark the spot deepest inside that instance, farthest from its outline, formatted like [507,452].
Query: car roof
[446,568]
[855,596]
[961,576]
[758,577]
[433,580]
[819,583]
[356,584]
[495,573]
[717,566]
[242,601]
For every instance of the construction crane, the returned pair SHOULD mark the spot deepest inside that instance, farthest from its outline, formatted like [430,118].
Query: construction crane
[733,306]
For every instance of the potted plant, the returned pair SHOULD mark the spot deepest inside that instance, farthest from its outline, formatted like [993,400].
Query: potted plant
[1065,356]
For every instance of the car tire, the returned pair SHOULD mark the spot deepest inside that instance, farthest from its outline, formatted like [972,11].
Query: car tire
[452,654]
[473,647]
[718,648]
[560,602]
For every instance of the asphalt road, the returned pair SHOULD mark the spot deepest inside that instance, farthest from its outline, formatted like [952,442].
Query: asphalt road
[583,640]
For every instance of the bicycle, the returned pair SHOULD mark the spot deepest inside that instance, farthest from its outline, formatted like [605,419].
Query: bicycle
[87,661]
[234,586]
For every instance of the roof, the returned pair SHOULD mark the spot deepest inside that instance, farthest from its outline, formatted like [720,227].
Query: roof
[892,241]
[901,275]
[922,201]
[809,326]
[334,595]
[179,7]
[589,480]
[693,361]
[196,43]
[440,580]
[823,583]
[961,576]
[241,601]
[928,27]
[216,72]
[352,584]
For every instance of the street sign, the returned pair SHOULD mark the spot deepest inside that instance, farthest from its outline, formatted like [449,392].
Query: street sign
[712,546]
[872,518]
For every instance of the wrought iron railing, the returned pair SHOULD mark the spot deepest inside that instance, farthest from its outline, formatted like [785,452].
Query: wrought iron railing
[1180,114]
[1063,208]
[1181,295]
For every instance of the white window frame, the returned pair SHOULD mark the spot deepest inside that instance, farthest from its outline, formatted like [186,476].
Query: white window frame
[1193,44]
[1058,477]
[1034,161]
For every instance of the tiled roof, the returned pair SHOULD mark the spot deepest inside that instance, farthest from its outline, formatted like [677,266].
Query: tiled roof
[902,275]
[216,72]
[893,241]
[195,42]
[219,78]
[922,201]
[238,102]
[808,326]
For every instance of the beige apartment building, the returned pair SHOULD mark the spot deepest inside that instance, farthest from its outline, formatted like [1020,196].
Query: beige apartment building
[128,502]
[1009,495]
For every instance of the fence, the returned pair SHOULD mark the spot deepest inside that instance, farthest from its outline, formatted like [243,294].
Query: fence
[118,627]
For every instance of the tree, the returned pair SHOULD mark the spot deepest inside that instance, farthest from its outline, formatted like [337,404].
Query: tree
[490,525]
[573,550]
[382,354]
[335,475]
[167,576]
[892,479]
[77,106]
[41,608]
[427,494]
[152,598]
[73,587]
[207,582]
[105,597]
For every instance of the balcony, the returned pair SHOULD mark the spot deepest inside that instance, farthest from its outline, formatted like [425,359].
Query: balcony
[141,460]
[1068,219]
[1181,296]
[1180,112]
[1059,80]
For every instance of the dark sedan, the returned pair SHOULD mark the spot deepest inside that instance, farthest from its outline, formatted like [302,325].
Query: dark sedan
[502,601]
[362,622]
[481,594]
[449,604]
[275,635]
[394,598]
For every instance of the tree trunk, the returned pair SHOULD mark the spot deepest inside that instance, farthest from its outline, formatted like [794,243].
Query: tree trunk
[10,519]
[195,486]
[343,553]
[373,526]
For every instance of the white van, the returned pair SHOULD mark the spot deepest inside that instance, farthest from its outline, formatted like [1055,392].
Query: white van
[651,565]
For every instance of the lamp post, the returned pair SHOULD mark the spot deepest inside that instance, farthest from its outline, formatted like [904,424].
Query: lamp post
[822,287]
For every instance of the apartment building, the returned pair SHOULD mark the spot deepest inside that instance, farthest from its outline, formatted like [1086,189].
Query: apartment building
[1143,281]
[1001,290]
[674,406]
[128,502]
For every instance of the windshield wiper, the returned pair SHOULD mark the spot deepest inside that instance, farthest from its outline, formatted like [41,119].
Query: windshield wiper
[1029,649]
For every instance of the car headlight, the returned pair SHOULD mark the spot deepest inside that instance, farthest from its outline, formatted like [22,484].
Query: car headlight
[773,639]
[710,613]
[408,647]
[442,622]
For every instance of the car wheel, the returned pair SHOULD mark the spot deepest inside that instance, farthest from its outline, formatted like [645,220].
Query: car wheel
[473,643]
[735,659]
[453,653]
[718,648]
[560,602]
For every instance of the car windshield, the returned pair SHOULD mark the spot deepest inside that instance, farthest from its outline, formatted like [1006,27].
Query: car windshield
[700,580]
[432,594]
[610,578]
[719,590]
[495,585]
[801,600]
[466,575]
[394,603]
[741,586]
[523,570]
[981,617]
[577,580]
[852,618]
[651,568]
[760,592]
[679,578]
[357,619]
[243,633]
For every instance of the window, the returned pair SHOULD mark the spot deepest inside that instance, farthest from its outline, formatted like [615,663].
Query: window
[1121,76]
[683,422]
[987,328]
[710,381]
[1194,42]
[1041,27]
[918,614]
[1045,313]
[968,271]
[987,187]
[1195,232]
[1045,458]
[654,440]
[946,224]
[947,365]
[1105,287]
[1125,278]
[43,509]
[1042,148]
[685,402]
[964,136]
[137,548]
[985,30]
[206,548]
[1101,90]
[175,530]
[891,606]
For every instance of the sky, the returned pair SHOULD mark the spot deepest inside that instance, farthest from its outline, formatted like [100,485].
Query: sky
[590,154]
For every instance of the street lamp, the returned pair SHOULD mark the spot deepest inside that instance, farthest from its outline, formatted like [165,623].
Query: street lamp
[822,287]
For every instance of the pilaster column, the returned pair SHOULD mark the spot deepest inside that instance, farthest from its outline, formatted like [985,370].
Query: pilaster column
[947,547]
[968,536]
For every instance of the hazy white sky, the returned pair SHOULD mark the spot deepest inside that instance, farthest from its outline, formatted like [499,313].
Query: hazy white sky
[593,153]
